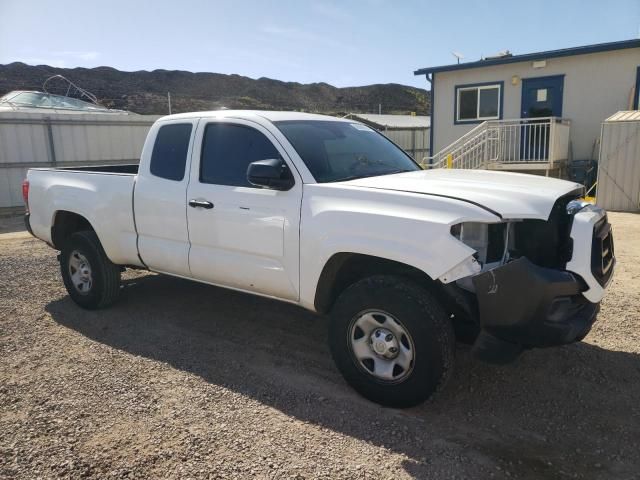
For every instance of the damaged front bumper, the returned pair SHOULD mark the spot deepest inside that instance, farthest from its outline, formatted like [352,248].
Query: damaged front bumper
[522,305]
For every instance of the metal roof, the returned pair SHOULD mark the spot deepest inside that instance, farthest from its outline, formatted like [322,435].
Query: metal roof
[625,116]
[393,121]
[565,52]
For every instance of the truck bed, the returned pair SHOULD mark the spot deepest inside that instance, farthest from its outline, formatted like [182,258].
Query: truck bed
[131,169]
[102,194]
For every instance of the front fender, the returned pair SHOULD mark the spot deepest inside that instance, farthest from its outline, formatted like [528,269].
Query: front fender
[415,232]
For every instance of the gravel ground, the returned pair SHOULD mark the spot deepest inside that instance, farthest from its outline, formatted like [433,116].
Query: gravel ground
[181,380]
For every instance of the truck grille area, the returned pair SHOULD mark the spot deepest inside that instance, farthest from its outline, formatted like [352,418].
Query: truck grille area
[547,243]
[602,253]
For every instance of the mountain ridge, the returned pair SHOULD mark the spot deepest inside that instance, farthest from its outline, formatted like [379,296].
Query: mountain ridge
[145,91]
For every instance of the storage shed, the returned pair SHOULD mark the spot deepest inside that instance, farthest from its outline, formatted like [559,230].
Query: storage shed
[619,163]
[409,132]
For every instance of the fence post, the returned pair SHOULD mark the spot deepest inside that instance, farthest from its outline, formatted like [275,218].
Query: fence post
[413,143]
[52,148]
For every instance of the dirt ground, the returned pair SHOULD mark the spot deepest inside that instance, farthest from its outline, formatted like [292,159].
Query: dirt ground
[181,380]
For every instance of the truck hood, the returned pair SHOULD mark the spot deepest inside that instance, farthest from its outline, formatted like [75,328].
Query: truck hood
[509,195]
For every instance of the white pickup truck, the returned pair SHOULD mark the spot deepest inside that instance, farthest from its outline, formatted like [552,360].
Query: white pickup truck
[329,214]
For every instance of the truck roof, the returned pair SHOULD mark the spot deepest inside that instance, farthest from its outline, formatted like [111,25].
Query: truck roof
[273,116]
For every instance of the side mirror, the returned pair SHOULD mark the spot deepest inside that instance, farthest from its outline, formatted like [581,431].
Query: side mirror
[272,173]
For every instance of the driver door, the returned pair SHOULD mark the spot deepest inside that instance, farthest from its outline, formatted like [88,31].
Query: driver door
[241,236]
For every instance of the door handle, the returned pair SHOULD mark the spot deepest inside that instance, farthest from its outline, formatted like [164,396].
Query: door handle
[200,204]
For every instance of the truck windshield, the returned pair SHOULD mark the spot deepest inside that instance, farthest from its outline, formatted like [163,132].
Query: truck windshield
[336,151]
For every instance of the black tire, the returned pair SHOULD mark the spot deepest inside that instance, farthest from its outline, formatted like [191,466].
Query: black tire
[419,314]
[105,276]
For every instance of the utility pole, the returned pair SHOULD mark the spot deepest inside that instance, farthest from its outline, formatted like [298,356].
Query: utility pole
[169,99]
[379,109]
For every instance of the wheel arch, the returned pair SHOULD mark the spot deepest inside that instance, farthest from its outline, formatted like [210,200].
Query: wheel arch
[65,223]
[345,268]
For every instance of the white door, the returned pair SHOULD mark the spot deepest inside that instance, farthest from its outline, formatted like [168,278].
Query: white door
[242,236]
[160,197]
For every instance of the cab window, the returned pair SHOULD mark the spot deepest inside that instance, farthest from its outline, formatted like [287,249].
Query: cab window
[169,156]
[227,151]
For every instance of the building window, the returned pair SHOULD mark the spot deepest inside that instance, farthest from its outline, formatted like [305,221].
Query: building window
[476,103]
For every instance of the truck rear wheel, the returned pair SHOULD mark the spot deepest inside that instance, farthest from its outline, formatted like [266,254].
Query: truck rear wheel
[391,340]
[90,278]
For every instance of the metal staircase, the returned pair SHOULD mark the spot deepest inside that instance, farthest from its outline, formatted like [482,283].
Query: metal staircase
[517,144]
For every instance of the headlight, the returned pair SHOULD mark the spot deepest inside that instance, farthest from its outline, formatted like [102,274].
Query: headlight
[574,206]
[474,235]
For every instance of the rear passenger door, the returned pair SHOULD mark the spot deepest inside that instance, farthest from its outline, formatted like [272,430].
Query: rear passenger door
[160,197]
[242,236]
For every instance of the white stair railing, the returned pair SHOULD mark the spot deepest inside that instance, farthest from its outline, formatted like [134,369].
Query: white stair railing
[539,140]
[445,158]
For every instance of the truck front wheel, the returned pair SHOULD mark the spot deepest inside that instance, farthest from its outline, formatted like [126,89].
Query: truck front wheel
[391,340]
[90,278]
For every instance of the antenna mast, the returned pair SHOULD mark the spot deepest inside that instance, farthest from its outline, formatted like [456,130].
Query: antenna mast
[458,56]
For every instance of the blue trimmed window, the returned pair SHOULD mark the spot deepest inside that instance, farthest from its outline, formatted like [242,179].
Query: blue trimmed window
[477,103]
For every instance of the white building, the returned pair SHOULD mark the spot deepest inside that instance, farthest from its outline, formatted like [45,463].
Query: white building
[533,111]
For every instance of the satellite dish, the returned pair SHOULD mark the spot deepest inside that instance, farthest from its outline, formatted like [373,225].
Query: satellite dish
[458,55]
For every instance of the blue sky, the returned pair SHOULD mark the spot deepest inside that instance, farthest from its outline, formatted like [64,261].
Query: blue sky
[345,43]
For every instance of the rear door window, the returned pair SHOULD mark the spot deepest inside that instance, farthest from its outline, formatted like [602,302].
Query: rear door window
[169,156]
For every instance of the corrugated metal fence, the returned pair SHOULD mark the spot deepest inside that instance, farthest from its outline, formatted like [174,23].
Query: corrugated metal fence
[414,141]
[619,163]
[41,140]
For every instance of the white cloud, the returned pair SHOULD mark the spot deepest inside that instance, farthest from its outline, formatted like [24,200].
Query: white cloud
[302,36]
[288,32]
[80,55]
[59,59]
[52,62]
[331,10]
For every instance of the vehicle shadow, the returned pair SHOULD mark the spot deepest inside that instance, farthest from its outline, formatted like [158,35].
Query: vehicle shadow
[12,224]
[571,410]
